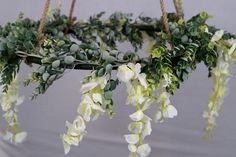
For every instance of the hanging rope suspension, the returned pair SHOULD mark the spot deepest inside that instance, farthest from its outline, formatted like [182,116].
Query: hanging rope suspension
[42,21]
[178,14]
[70,18]
[164,15]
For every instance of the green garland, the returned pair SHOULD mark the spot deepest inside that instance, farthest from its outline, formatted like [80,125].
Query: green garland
[92,45]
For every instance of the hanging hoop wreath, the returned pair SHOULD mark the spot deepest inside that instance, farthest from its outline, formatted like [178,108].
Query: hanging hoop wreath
[176,46]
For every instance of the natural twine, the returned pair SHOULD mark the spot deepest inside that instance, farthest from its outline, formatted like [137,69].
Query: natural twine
[177,9]
[43,21]
[164,15]
[71,11]
[70,18]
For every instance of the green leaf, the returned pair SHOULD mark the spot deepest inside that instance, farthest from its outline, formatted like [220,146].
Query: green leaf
[69,60]
[101,72]
[56,64]
[2,46]
[74,48]
[108,68]
[108,95]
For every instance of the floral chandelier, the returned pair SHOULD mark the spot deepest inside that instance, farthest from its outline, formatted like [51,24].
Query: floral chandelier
[58,42]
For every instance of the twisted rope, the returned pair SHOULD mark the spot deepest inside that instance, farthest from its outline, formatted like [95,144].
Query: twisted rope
[164,15]
[43,21]
[70,18]
[177,9]
[71,11]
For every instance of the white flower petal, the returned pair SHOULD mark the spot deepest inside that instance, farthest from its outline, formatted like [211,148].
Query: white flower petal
[231,50]
[137,116]
[85,110]
[95,115]
[132,138]
[97,107]
[136,95]
[8,136]
[167,81]
[136,68]
[142,80]
[144,150]
[20,100]
[66,147]
[135,127]
[97,98]
[146,119]
[132,148]
[124,73]
[147,130]
[88,86]
[71,140]
[158,117]
[217,36]
[170,112]
[146,104]
[5,106]
[102,81]
[20,137]
[79,124]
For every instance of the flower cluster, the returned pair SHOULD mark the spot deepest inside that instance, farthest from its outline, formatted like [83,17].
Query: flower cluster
[139,128]
[91,106]
[10,101]
[220,78]
[139,97]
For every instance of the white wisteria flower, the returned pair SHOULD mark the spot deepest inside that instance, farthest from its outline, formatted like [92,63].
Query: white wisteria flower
[132,148]
[170,111]
[20,137]
[232,48]
[136,94]
[125,74]
[147,129]
[137,116]
[220,78]
[79,124]
[129,72]
[222,68]
[159,117]
[88,86]
[89,109]
[132,138]
[140,128]
[217,36]
[136,127]
[166,110]
[97,98]
[10,100]
[144,150]
[136,68]
[99,81]
[85,110]
[8,136]
[167,80]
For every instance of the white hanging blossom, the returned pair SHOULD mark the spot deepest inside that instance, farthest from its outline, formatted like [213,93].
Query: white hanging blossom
[167,80]
[165,110]
[139,128]
[220,77]
[89,109]
[217,36]
[137,96]
[10,101]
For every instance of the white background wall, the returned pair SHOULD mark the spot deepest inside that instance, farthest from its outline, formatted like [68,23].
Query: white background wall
[44,118]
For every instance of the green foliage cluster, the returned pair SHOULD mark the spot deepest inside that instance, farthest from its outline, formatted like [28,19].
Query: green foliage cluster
[92,44]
